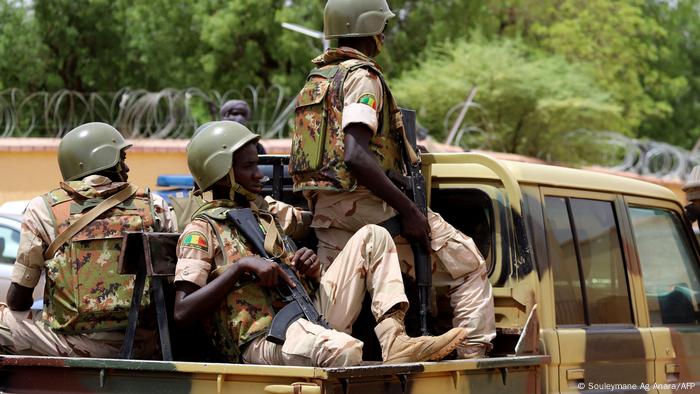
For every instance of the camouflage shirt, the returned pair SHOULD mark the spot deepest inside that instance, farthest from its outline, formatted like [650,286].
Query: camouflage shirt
[207,245]
[83,293]
[347,87]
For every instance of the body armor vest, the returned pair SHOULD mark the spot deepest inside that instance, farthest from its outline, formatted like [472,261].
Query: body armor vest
[318,142]
[248,310]
[84,292]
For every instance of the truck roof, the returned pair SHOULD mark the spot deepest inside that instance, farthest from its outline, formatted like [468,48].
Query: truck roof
[555,176]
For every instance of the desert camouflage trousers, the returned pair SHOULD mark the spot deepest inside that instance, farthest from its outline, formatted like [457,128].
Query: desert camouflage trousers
[457,263]
[367,264]
[24,333]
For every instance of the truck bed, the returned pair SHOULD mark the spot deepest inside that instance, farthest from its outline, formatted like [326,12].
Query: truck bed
[19,374]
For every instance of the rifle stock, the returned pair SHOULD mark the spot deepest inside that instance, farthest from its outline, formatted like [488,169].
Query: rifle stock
[299,303]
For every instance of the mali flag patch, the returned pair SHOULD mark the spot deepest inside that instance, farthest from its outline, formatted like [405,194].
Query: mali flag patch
[368,99]
[195,240]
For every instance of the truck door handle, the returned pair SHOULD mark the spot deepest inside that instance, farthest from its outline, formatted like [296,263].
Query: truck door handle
[673,372]
[578,374]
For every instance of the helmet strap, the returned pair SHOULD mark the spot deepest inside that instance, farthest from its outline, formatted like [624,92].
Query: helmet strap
[378,43]
[236,188]
[118,170]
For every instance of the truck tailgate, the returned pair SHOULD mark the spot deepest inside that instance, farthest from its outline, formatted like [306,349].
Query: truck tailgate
[80,375]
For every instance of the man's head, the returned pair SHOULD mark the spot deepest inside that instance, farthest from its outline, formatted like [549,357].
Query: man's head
[235,111]
[210,157]
[93,148]
[357,23]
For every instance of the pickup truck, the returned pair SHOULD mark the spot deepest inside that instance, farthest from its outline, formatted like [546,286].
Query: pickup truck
[596,287]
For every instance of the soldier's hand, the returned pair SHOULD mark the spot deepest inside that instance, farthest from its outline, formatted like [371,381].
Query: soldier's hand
[307,264]
[415,228]
[268,272]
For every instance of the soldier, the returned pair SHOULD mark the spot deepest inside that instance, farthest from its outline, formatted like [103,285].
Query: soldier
[348,136]
[73,234]
[239,111]
[236,111]
[214,261]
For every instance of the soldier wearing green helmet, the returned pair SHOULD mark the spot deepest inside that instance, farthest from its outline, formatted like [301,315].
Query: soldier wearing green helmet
[348,136]
[71,234]
[214,262]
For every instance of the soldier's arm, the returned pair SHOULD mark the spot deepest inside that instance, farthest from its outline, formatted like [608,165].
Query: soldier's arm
[195,297]
[193,303]
[34,239]
[362,103]
[368,172]
[166,214]
[295,222]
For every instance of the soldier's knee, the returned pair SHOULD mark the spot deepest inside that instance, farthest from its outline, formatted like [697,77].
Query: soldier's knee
[350,355]
[342,350]
[375,233]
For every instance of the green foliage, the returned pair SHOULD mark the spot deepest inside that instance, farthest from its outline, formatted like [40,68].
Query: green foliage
[681,59]
[80,61]
[22,54]
[531,102]
[636,59]
[622,44]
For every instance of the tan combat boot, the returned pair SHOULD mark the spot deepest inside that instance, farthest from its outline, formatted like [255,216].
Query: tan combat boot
[397,347]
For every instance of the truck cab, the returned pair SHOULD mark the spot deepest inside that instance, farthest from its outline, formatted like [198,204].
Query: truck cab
[610,262]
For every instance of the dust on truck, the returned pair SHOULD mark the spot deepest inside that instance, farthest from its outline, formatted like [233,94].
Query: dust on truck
[596,287]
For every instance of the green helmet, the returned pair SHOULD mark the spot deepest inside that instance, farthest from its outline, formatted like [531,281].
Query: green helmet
[88,149]
[355,18]
[210,152]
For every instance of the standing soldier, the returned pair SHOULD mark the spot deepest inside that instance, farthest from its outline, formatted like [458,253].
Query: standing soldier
[213,283]
[73,234]
[348,136]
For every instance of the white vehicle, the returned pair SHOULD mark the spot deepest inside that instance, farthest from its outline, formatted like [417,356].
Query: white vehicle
[14,207]
[10,225]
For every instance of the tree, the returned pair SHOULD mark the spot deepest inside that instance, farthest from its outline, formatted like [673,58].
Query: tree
[22,54]
[681,59]
[622,45]
[162,44]
[84,39]
[532,102]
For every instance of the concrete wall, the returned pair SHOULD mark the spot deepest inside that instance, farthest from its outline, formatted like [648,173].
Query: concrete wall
[29,167]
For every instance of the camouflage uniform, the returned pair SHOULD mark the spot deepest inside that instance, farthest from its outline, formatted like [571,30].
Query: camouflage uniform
[85,301]
[368,264]
[347,87]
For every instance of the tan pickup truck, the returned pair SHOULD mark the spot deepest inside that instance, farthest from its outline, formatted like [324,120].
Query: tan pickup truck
[596,286]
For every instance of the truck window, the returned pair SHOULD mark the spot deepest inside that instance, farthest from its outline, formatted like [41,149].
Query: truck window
[669,268]
[588,268]
[469,211]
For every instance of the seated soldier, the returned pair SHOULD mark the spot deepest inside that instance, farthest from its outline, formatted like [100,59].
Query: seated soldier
[86,300]
[214,260]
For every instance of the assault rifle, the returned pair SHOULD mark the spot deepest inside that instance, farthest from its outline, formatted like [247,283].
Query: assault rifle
[299,303]
[413,185]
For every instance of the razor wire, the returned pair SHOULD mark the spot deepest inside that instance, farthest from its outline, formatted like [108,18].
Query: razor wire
[644,157]
[137,113]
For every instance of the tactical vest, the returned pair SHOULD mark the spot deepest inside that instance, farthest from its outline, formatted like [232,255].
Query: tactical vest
[247,311]
[84,292]
[318,142]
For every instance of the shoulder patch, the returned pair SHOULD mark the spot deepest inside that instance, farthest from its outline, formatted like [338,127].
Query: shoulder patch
[368,99]
[195,240]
